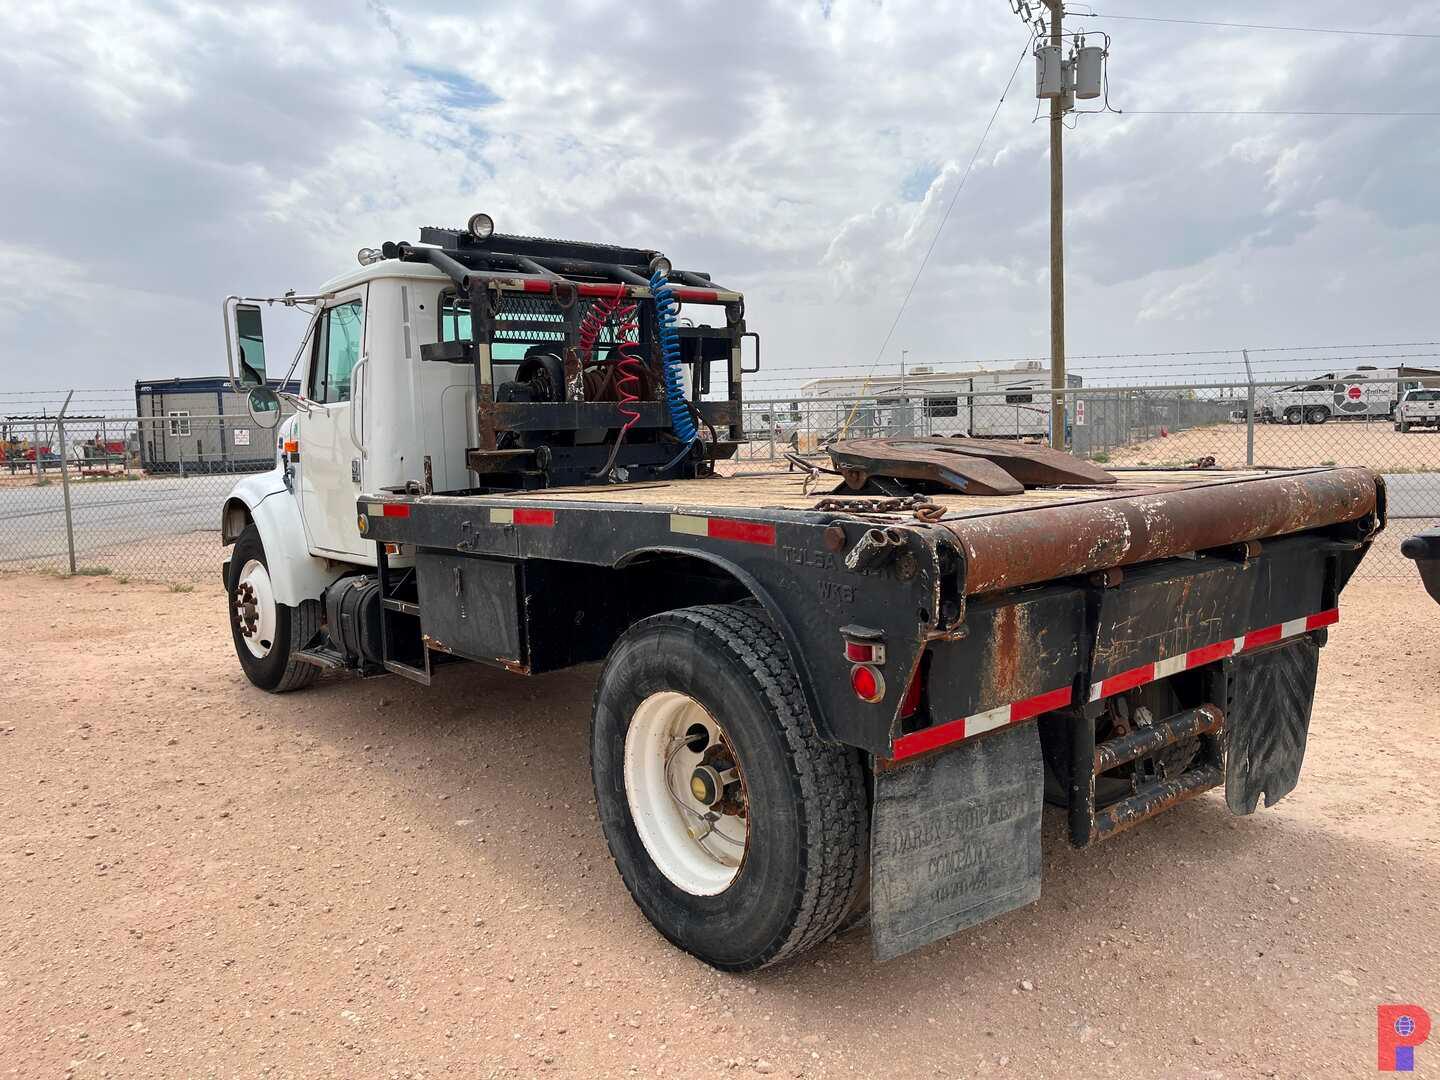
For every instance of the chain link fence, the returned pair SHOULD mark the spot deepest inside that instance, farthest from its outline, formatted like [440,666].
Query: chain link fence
[1202,427]
[134,498]
[108,494]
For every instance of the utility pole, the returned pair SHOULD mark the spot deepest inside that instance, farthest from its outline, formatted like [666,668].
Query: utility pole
[1062,81]
[1057,243]
[903,354]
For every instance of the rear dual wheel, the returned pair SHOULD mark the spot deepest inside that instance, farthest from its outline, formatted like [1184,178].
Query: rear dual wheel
[740,834]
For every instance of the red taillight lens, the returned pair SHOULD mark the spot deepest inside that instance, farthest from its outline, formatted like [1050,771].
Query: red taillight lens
[867,682]
[859,652]
[912,695]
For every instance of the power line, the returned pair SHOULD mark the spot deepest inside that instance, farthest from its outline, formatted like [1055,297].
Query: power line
[925,259]
[1267,112]
[777,380]
[1368,354]
[1264,26]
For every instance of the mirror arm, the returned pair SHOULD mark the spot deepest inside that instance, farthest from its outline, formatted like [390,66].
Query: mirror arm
[299,400]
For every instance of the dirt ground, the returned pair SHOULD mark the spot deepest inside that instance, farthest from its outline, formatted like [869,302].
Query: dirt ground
[373,879]
[1374,444]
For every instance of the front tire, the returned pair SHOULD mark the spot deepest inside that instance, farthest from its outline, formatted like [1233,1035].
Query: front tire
[711,688]
[267,634]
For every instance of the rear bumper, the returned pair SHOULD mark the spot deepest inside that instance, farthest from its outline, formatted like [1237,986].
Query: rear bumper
[1076,644]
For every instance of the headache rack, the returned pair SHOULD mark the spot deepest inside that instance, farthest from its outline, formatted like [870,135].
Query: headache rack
[549,413]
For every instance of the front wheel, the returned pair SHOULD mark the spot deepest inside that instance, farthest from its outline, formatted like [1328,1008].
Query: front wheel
[740,834]
[267,633]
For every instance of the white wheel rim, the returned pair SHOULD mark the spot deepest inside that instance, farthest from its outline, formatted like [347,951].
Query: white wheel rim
[254,601]
[698,846]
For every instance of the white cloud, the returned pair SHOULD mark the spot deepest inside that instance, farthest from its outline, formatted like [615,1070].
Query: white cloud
[185,150]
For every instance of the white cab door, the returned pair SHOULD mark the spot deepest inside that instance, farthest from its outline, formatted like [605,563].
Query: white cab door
[331,463]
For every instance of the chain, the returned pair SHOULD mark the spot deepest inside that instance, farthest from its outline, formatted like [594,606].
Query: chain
[877,506]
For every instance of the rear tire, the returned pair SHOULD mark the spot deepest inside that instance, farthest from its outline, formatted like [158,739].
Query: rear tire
[267,634]
[806,816]
[1317,415]
[1294,416]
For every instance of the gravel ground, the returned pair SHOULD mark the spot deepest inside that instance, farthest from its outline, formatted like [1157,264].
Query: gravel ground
[372,879]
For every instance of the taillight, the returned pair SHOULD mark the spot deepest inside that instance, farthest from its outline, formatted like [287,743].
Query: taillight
[867,682]
[864,652]
[911,704]
[863,645]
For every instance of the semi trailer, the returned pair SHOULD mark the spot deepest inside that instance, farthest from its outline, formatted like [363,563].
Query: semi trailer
[837,693]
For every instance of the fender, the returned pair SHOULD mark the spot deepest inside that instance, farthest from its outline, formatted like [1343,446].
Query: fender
[263,498]
[762,595]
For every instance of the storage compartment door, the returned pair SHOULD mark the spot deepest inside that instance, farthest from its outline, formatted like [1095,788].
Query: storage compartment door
[470,606]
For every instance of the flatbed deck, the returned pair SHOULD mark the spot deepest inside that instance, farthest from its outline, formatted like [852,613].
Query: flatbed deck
[788,491]
[1007,540]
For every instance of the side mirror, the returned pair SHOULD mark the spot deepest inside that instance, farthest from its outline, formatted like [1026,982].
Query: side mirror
[264,406]
[250,338]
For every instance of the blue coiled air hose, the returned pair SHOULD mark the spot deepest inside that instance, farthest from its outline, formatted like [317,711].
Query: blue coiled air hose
[665,309]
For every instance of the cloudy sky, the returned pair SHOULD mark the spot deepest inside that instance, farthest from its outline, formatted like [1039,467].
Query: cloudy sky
[160,155]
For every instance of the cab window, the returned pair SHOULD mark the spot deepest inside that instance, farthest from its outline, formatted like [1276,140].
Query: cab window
[337,350]
[454,317]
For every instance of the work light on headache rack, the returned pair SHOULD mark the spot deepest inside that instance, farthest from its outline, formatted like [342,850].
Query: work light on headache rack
[583,371]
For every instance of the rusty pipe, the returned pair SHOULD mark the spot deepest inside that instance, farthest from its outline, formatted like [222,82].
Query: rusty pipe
[1040,543]
[1113,753]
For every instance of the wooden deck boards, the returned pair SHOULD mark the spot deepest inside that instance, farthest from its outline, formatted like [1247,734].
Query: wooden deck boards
[785,491]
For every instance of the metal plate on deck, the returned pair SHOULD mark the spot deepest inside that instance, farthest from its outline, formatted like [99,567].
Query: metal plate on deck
[1267,721]
[971,466]
[955,839]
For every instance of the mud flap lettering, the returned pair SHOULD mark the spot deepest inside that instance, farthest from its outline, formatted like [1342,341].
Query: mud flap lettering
[1268,719]
[955,839]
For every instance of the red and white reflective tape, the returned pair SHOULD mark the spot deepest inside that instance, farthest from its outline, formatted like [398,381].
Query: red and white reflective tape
[746,532]
[1208,654]
[388,509]
[522,515]
[931,738]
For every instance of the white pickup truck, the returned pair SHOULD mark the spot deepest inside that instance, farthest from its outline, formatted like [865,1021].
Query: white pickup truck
[1418,408]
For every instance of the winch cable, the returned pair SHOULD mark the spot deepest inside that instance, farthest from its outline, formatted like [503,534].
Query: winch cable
[925,259]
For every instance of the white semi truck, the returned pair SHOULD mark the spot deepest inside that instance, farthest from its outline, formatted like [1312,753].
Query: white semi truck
[1363,394]
[814,703]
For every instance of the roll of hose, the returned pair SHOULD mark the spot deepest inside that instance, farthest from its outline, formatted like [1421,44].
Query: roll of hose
[665,313]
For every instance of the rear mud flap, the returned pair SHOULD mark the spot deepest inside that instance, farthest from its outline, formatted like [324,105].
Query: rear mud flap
[955,839]
[1268,718]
